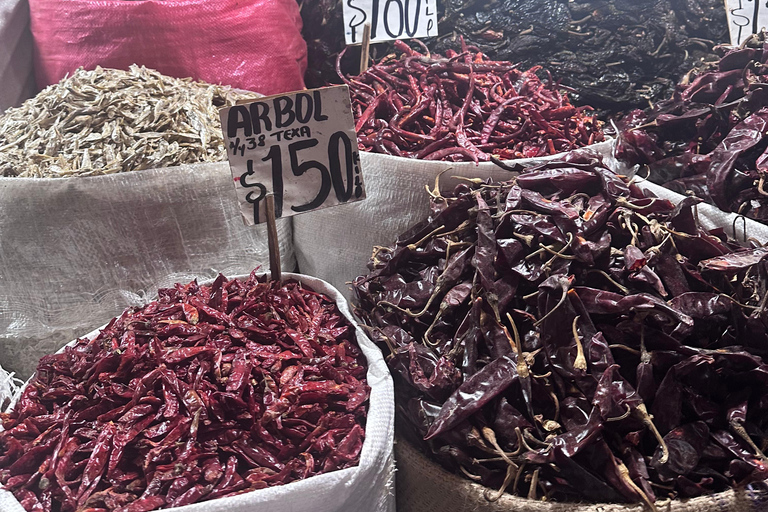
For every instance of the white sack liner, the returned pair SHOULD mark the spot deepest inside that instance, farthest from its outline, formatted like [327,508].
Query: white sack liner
[335,244]
[75,252]
[367,487]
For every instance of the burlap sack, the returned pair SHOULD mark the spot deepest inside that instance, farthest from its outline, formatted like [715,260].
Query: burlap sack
[424,486]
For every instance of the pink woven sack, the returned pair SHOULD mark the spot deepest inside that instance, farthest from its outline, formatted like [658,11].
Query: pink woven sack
[249,44]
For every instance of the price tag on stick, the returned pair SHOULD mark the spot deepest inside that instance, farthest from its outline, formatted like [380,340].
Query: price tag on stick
[745,17]
[300,146]
[389,19]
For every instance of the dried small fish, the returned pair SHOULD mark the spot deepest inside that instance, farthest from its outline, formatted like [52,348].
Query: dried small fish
[106,121]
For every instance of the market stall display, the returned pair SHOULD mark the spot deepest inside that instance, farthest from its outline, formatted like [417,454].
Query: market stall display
[207,392]
[108,120]
[563,336]
[464,107]
[708,139]
[254,45]
[616,54]
[564,220]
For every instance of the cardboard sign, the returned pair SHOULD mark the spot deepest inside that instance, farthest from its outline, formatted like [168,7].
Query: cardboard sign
[389,19]
[301,146]
[745,17]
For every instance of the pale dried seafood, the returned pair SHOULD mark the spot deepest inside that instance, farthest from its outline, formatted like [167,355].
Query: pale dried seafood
[106,121]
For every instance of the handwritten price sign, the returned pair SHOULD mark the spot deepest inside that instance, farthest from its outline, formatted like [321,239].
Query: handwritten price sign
[745,17]
[389,19]
[301,146]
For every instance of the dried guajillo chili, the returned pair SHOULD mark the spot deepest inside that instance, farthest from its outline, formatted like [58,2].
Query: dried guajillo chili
[709,139]
[563,336]
[463,107]
[207,392]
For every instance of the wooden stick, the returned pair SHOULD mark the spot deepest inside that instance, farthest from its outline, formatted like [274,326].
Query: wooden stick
[366,48]
[274,246]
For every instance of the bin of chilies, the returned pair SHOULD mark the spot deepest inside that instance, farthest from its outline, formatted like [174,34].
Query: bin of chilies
[208,392]
[563,336]
[419,115]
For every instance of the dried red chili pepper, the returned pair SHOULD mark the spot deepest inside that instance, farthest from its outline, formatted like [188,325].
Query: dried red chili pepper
[463,108]
[172,404]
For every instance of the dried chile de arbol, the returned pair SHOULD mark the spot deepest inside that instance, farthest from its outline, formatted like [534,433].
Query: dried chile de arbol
[206,392]
[463,107]
[601,347]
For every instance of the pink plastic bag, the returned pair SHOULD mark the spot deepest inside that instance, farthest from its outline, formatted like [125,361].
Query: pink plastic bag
[249,44]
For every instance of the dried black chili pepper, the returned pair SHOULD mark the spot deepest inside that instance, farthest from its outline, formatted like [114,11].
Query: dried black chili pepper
[598,356]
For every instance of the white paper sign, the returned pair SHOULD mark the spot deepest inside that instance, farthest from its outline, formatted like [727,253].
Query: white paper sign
[745,17]
[389,19]
[301,146]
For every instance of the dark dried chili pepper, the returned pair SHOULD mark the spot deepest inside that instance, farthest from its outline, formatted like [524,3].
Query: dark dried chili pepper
[708,139]
[590,306]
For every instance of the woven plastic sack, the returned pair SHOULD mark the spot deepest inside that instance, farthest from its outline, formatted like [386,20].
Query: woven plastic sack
[254,45]
[335,244]
[367,487]
[16,72]
[424,485]
[75,252]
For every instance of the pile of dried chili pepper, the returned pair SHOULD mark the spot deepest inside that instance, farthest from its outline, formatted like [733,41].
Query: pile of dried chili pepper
[709,138]
[207,392]
[561,336]
[616,54]
[463,107]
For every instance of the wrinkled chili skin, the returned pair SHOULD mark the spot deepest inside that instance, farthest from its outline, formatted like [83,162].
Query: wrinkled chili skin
[464,107]
[598,347]
[206,392]
[708,138]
